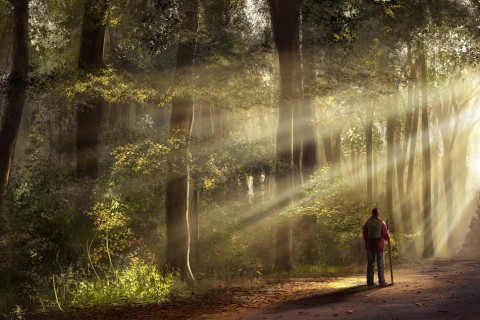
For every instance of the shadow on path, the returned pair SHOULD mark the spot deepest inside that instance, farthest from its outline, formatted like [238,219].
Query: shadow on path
[320,299]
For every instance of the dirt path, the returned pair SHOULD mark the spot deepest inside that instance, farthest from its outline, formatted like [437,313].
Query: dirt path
[435,290]
[440,289]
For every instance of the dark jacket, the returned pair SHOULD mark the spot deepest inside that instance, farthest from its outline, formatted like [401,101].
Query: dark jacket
[375,244]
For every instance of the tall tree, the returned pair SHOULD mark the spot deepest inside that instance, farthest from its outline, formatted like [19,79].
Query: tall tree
[445,112]
[89,115]
[428,249]
[369,151]
[391,126]
[413,150]
[285,17]
[305,120]
[16,92]
[179,183]
[306,116]
[409,139]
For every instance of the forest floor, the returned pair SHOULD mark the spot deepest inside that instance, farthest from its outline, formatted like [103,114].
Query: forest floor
[434,289]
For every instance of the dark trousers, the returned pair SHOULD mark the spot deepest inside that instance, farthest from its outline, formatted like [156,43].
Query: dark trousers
[371,256]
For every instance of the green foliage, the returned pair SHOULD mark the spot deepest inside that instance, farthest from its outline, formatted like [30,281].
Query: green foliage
[137,282]
[86,233]
[229,251]
[141,33]
[227,256]
[40,233]
[340,214]
[215,167]
[112,226]
[354,139]
[53,32]
[113,87]
[41,214]
[146,157]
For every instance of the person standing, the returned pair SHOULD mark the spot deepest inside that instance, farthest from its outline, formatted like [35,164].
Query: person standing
[375,233]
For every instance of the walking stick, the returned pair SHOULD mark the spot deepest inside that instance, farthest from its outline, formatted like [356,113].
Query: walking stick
[390,256]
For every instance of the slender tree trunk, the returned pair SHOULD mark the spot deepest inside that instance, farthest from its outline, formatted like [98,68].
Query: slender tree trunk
[337,147]
[218,130]
[89,115]
[411,125]
[445,111]
[179,182]
[428,249]
[285,16]
[467,122]
[400,155]
[412,189]
[328,147]
[206,121]
[309,143]
[391,124]
[195,225]
[369,151]
[16,93]
[306,117]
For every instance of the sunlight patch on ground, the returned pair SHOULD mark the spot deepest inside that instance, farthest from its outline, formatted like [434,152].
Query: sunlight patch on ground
[348,282]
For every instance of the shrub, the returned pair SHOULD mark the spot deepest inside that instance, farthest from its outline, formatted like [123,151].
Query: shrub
[138,282]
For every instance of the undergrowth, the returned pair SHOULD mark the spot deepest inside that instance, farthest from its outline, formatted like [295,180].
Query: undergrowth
[136,283]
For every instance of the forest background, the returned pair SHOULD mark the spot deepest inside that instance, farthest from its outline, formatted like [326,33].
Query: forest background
[147,145]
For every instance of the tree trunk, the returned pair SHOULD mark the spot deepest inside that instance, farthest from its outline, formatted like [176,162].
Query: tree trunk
[428,249]
[445,111]
[369,151]
[16,93]
[412,189]
[309,144]
[195,225]
[391,124]
[400,154]
[337,147]
[179,183]
[328,147]
[285,15]
[411,125]
[466,123]
[89,115]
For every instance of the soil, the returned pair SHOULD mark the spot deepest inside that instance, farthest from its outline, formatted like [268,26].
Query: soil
[434,289]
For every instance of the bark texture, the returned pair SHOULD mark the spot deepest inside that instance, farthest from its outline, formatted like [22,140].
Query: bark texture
[16,93]
[285,16]
[391,124]
[428,249]
[89,115]
[306,119]
[179,183]
[369,151]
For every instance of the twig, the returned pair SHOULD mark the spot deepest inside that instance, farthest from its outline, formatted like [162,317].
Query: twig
[56,295]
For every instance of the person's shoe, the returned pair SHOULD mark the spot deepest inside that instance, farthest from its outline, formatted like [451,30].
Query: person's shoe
[370,284]
[383,284]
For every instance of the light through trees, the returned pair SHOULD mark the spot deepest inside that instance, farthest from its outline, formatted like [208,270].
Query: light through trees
[222,139]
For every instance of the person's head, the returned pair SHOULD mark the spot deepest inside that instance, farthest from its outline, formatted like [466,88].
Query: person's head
[375,212]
